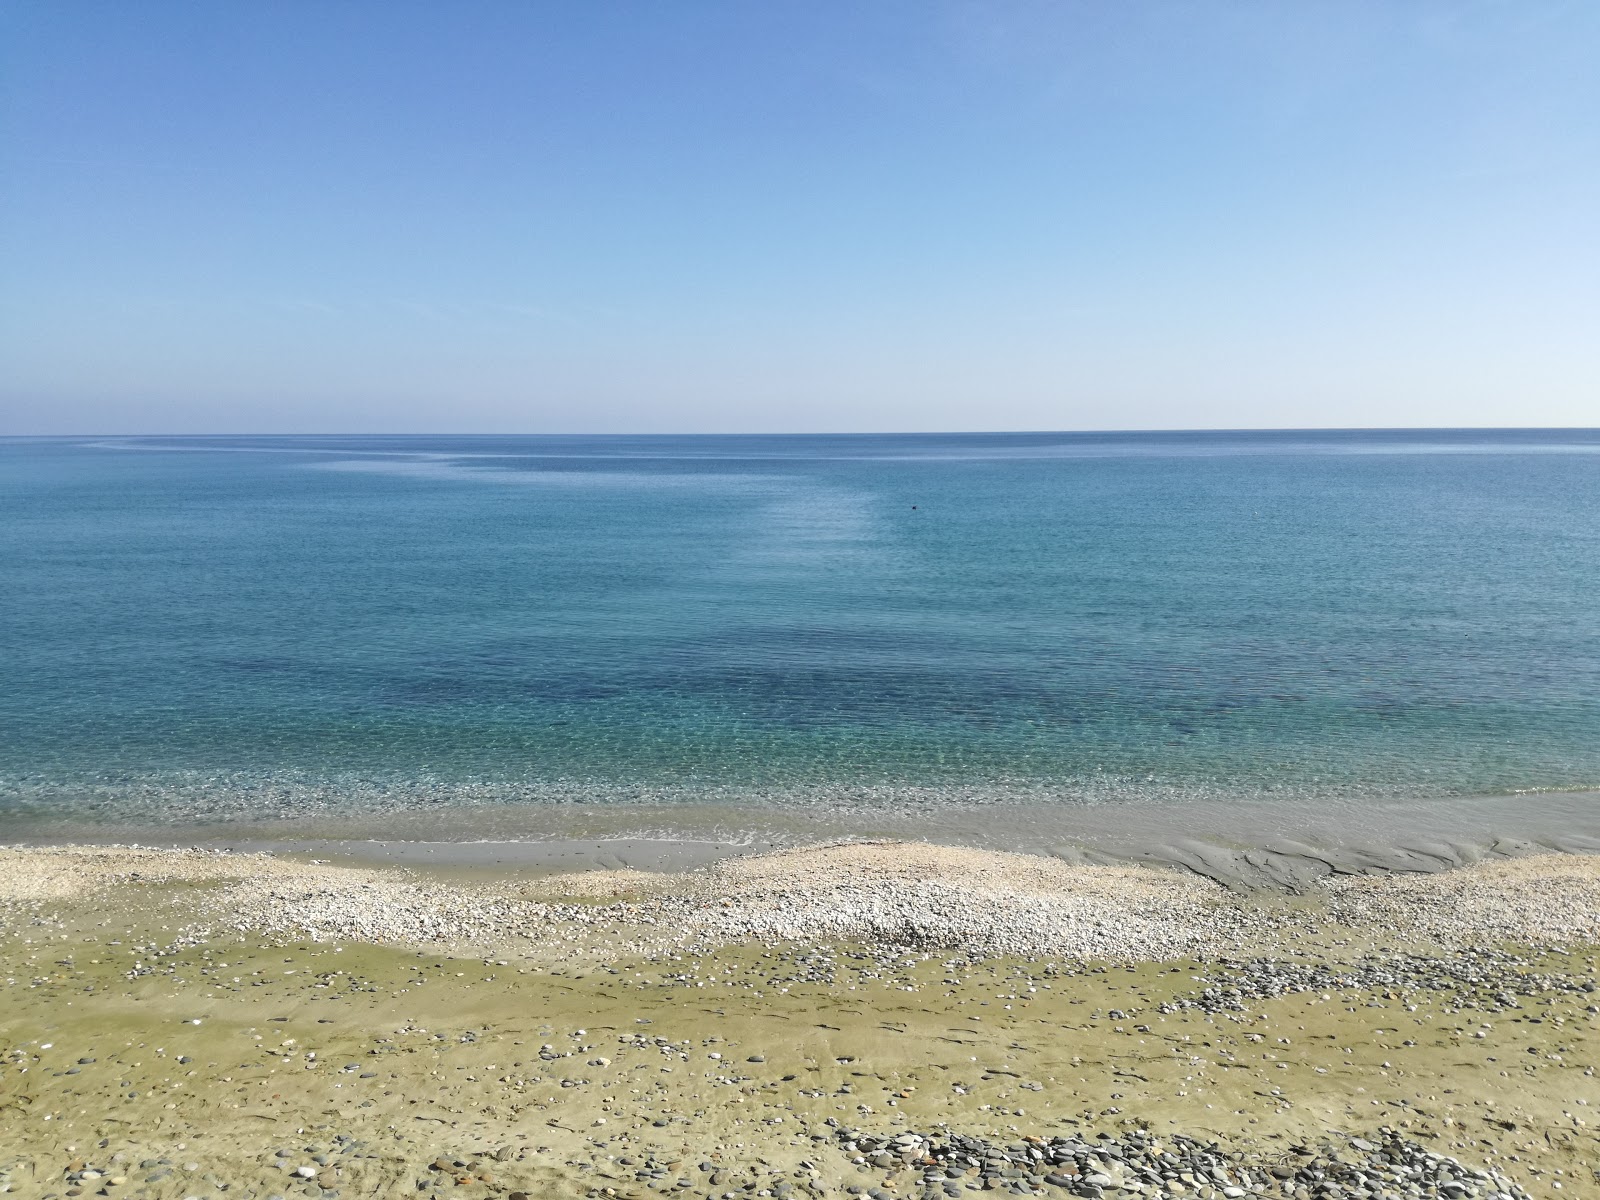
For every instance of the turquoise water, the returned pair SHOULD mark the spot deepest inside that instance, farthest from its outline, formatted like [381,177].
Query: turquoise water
[233,628]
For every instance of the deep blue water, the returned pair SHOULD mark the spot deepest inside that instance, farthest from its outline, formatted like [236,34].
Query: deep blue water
[238,627]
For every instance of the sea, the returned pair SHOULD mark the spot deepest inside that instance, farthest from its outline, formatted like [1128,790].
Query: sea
[511,637]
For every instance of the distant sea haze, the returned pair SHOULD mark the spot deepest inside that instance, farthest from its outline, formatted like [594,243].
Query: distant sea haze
[241,630]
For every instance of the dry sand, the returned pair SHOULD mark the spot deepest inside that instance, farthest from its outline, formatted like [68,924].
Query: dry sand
[562,1036]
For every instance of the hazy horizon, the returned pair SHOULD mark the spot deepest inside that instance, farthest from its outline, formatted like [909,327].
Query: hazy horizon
[718,217]
[351,434]
[930,432]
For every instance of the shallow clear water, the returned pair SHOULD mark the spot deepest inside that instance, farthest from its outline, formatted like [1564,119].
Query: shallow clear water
[233,628]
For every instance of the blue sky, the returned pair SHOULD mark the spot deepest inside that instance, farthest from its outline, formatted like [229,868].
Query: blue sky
[771,215]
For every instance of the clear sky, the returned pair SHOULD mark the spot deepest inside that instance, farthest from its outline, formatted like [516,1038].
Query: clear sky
[769,215]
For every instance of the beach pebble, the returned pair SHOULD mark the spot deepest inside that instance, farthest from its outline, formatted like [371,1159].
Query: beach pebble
[1132,1162]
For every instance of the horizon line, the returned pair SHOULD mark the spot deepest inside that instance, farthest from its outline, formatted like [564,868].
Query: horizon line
[1241,429]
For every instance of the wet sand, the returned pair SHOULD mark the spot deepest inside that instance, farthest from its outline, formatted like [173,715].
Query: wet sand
[180,1021]
[1275,845]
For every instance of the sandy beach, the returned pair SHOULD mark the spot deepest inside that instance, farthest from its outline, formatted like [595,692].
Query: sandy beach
[885,1019]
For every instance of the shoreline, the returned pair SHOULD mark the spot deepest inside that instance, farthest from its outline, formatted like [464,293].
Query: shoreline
[1259,846]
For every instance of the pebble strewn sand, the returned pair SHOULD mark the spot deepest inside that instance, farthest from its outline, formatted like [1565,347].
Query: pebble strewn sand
[977,901]
[892,1020]
[1549,898]
[895,893]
